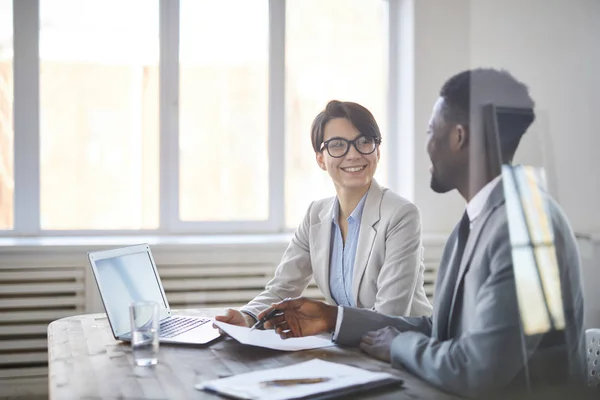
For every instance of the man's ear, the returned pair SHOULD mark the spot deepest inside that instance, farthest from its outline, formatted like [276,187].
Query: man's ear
[378,153]
[321,161]
[461,136]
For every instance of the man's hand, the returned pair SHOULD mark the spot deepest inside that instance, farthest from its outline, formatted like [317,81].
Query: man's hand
[234,317]
[378,343]
[301,317]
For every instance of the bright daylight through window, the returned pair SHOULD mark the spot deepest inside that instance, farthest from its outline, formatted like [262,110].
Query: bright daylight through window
[223,118]
[189,116]
[99,114]
[7,184]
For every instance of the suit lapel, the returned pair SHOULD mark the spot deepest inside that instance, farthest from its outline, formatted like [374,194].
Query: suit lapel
[320,243]
[496,198]
[366,237]
[444,288]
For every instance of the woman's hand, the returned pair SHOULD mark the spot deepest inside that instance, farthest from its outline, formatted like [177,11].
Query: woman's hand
[235,317]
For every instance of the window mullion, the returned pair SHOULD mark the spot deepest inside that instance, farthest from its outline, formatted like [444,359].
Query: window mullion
[276,140]
[169,113]
[401,76]
[26,67]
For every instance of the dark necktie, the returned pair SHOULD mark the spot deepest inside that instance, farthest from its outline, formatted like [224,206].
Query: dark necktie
[463,234]
[452,275]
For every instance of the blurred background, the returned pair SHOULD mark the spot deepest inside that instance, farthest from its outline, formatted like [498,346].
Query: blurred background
[186,124]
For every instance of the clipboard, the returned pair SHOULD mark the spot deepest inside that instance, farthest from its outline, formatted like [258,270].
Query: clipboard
[342,380]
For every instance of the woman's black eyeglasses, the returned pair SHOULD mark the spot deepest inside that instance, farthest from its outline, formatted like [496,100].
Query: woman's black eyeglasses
[339,147]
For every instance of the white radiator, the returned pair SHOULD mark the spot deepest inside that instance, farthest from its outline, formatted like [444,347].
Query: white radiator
[31,296]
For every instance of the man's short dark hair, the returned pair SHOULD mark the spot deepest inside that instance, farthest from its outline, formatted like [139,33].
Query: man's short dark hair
[467,92]
[358,115]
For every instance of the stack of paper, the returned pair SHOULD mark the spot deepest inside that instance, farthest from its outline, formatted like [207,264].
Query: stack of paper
[269,339]
[339,379]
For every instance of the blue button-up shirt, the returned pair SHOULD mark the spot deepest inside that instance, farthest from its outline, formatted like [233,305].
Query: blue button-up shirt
[341,265]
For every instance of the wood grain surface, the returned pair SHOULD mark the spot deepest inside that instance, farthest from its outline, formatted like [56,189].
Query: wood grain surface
[86,362]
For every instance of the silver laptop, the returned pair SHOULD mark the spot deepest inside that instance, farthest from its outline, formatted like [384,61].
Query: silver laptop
[129,274]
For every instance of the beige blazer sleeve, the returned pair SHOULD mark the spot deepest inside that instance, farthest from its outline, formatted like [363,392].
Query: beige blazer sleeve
[389,270]
[293,273]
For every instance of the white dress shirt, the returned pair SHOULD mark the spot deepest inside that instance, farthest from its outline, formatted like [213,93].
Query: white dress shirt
[477,203]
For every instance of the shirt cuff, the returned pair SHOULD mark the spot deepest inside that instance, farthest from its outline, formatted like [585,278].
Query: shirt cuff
[250,314]
[338,323]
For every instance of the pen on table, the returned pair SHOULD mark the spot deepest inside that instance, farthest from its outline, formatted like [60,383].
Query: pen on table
[261,322]
[291,382]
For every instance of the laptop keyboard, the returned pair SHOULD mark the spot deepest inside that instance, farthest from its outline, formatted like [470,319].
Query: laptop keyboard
[177,325]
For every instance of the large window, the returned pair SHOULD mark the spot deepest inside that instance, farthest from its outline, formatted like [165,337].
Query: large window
[179,116]
[6,113]
[98,114]
[223,110]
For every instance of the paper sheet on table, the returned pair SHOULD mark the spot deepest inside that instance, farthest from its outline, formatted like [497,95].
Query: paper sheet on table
[269,339]
[341,378]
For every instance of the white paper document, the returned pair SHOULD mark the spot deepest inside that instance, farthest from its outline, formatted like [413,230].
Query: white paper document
[271,340]
[252,385]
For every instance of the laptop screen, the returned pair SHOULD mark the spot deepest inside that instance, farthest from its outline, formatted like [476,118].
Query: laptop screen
[123,280]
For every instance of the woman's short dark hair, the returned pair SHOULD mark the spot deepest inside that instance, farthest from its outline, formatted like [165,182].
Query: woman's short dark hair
[358,115]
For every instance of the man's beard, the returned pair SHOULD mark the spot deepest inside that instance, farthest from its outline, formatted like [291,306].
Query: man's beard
[438,186]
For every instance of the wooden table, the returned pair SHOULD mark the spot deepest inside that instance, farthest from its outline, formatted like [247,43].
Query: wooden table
[85,361]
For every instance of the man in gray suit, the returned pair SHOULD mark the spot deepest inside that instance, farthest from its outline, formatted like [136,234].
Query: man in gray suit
[472,345]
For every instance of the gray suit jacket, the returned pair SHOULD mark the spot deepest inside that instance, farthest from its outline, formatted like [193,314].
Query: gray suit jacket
[388,269]
[474,346]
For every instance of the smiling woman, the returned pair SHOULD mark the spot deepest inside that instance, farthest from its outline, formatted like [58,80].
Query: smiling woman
[351,136]
[363,246]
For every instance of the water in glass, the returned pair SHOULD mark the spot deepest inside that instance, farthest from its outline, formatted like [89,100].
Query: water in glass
[144,317]
[144,344]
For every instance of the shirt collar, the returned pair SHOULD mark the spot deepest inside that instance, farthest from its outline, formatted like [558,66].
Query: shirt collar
[477,203]
[356,214]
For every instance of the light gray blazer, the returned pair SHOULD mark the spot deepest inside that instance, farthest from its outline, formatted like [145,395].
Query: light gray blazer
[474,347]
[388,268]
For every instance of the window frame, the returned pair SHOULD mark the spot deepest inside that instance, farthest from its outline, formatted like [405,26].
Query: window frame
[26,109]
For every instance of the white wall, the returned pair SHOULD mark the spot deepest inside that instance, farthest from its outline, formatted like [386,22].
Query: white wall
[551,45]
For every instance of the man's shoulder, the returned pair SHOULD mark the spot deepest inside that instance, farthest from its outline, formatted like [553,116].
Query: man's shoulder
[560,221]
[497,230]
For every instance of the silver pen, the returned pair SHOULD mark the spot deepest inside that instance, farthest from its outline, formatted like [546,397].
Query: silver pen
[261,322]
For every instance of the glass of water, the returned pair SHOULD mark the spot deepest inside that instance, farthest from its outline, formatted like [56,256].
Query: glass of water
[144,316]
